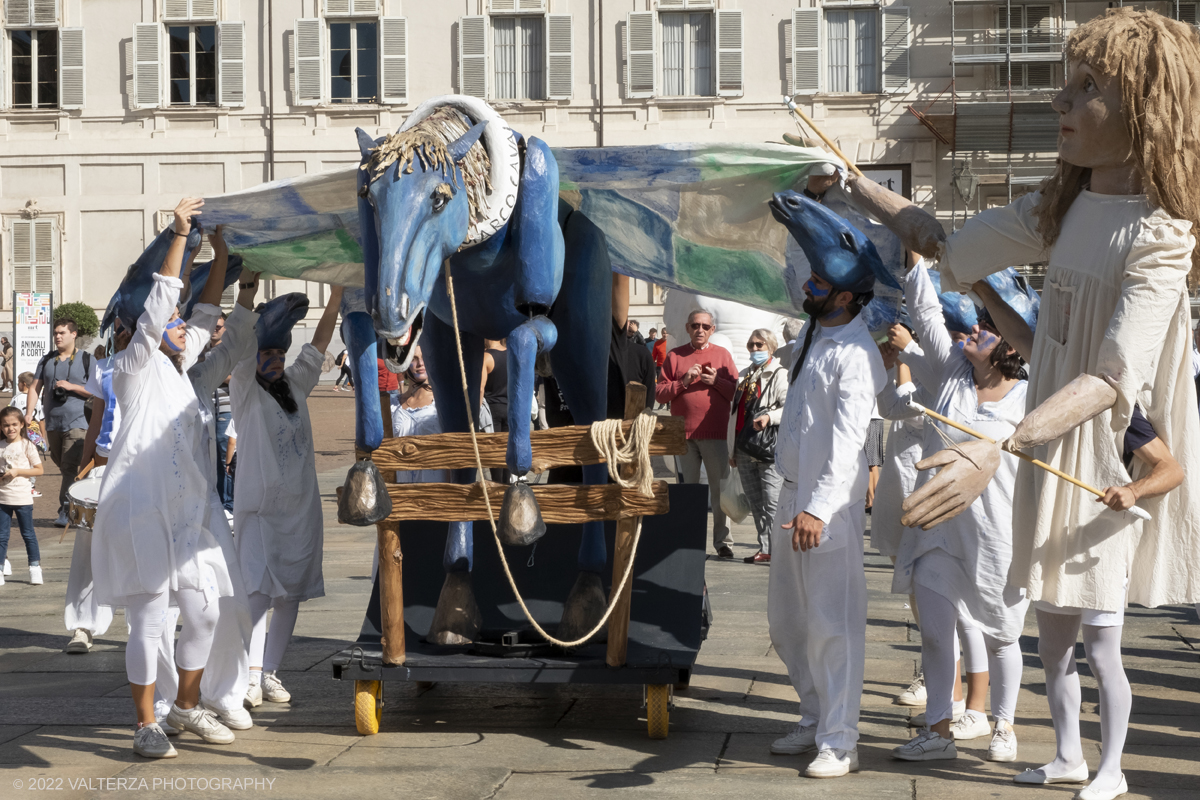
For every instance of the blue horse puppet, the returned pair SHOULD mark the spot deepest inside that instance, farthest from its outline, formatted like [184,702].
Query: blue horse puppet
[434,194]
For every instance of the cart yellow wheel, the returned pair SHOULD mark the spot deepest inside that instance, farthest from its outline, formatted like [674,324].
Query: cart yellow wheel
[368,706]
[658,696]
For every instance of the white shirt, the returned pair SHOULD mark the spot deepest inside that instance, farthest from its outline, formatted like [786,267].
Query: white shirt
[238,342]
[825,420]
[417,422]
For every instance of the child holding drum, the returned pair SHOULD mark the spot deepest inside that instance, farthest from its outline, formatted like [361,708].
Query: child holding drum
[19,461]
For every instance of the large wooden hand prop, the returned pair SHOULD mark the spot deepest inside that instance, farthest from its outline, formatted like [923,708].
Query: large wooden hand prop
[918,230]
[1071,406]
[966,471]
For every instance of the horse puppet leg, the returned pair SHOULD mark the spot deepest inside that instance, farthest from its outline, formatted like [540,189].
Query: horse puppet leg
[457,619]
[520,518]
[582,314]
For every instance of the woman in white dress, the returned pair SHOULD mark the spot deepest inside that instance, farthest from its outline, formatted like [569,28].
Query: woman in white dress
[151,549]
[958,569]
[277,503]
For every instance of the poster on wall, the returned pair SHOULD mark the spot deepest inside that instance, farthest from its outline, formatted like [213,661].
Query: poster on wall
[32,312]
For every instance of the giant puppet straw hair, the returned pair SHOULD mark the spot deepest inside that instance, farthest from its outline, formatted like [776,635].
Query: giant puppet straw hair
[1157,61]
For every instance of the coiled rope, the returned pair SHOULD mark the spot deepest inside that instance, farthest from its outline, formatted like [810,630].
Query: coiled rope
[607,445]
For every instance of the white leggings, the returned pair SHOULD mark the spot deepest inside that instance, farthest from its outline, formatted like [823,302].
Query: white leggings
[939,654]
[266,650]
[148,614]
[975,652]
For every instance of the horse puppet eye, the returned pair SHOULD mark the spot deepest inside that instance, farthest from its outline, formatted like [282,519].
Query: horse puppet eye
[442,195]
[848,242]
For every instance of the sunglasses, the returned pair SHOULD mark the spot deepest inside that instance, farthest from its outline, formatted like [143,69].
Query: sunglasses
[696,326]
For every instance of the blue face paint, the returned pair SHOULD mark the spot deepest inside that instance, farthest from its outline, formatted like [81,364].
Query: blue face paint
[814,291]
[985,340]
[270,365]
[175,323]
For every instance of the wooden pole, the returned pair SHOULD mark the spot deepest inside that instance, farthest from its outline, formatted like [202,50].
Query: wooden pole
[391,562]
[828,142]
[618,623]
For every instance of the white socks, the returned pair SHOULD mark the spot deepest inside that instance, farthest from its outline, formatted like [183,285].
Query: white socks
[255,677]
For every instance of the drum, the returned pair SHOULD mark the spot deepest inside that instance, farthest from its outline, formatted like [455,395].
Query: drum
[84,497]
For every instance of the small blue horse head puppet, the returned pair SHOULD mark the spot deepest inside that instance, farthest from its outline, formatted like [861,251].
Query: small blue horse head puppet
[837,252]
[276,318]
[129,301]
[456,187]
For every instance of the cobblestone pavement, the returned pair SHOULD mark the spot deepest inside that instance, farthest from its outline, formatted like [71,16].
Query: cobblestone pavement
[66,721]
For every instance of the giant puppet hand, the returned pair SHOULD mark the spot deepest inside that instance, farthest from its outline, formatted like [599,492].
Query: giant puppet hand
[1071,406]
[919,231]
[965,472]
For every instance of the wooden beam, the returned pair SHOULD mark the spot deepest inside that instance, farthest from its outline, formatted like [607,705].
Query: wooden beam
[561,504]
[618,621]
[391,593]
[557,447]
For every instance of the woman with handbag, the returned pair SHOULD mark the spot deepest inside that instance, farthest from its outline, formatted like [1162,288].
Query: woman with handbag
[753,431]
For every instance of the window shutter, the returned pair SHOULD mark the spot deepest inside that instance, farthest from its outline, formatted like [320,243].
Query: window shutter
[897,35]
[560,65]
[70,68]
[1187,13]
[337,8]
[729,53]
[176,11]
[472,56]
[394,56]
[45,13]
[231,50]
[18,13]
[497,6]
[806,54]
[641,59]
[147,64]
[45,256]
[309,65]
[22,254]
[3,64]
[667,5]
[203,9]
[531,5]
[367,8]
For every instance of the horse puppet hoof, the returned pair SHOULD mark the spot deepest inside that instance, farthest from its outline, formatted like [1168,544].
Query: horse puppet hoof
[584,608]
[520,517]
[364,499]
[456,620]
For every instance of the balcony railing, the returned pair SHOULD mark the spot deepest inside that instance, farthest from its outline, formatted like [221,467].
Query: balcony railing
[1038,45]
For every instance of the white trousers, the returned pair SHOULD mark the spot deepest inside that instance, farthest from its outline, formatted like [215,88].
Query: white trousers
[817,611]
[226,676]
[82,610]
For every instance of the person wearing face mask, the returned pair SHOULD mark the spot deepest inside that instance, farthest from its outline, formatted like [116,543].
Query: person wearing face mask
[958,569]
[753,431]
[276,500]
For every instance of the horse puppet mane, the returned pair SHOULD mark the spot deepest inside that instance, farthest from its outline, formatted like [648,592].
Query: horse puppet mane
[428,141]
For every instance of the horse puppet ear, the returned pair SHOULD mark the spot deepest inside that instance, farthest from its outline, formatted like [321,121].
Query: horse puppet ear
[460,147]
[365,143]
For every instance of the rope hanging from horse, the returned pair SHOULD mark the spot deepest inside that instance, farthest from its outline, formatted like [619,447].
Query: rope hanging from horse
[609,438]
[643,474]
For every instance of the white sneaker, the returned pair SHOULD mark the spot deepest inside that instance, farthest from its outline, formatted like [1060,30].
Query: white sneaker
[7,567]
[1,578]
[200,721]
[915,694]
[35,576]
[254,696]
[150,741]
[62,520]
[831,763]
[237,719]
[272,689]
[1004,743]
[81,642]
[800,740]
[970,725]
[926,746]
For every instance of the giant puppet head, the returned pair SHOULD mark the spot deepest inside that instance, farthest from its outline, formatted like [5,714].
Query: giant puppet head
[129,301]
[1132,98]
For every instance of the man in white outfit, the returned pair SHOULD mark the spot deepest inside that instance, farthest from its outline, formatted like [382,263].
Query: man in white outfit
[817,595]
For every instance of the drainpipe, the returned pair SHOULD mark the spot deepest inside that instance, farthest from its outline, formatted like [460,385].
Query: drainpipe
[270,90]
[600,72]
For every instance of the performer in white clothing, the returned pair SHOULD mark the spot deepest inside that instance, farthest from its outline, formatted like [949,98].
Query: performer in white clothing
[959,568]
[151,548]
[817,594]
[277,503]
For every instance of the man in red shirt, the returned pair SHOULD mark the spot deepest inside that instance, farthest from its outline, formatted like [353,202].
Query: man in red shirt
[698,380]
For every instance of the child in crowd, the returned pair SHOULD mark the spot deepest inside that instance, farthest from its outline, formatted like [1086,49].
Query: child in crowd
[19,461]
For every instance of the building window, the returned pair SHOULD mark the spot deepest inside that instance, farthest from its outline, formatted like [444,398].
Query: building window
[517,51]
[354,58]
[853,50]
[193,60]
[1031,31]
[687,54]
[35,68]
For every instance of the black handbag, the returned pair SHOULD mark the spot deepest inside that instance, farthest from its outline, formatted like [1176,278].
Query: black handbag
[759,445]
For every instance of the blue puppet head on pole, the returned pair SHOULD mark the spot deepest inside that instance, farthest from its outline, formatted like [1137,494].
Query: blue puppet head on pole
[957,309]
[199,279]
[277,317]
[1017,293]
[129,301]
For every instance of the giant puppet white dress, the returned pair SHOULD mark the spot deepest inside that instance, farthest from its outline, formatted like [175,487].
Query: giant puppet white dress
[898,477]
[965,559]
[149,534]
[1114,303]
[277,503]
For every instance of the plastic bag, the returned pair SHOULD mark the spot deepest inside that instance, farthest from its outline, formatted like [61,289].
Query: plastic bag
[733,499]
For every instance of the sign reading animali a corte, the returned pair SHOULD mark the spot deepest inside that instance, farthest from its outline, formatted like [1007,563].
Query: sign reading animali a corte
[31,328]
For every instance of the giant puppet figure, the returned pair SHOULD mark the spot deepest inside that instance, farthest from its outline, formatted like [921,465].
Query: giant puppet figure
[457,186]
[1116,223]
